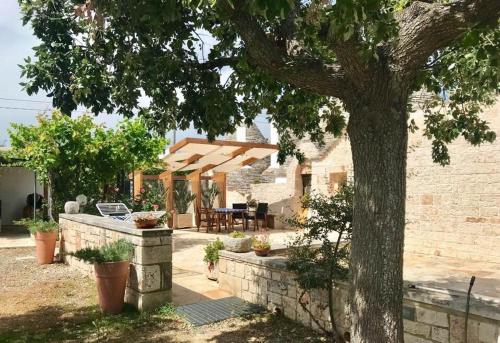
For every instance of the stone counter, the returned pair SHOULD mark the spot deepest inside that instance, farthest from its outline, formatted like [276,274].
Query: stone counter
[430,315]
[150,280]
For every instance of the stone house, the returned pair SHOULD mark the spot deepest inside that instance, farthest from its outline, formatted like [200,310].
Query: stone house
[452,211]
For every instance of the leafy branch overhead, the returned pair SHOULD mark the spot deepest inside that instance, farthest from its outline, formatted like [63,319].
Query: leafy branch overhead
[217,63]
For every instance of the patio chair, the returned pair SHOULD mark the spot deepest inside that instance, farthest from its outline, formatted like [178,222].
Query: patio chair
[205,215]
[236,216]
[116,210]
[259,214]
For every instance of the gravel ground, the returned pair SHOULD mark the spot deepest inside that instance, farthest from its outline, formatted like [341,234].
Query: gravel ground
[53,303]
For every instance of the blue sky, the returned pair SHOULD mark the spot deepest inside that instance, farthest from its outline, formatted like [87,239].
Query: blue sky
[16,106]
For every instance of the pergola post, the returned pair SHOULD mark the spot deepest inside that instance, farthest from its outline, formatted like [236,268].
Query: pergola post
[168,183]
[220,180]
[195,179]
[138,178]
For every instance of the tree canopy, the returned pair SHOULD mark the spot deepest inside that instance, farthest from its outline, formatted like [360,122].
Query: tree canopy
[82,157]
[219,63]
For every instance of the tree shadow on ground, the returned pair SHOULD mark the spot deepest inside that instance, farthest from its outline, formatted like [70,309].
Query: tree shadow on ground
[59,324]
[269,328]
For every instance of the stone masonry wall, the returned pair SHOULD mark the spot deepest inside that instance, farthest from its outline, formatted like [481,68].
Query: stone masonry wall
[429,317]
[150,279]
[452,211]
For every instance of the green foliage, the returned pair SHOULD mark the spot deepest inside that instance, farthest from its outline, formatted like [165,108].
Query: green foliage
[237,234]
[38,225]
[261,241]
[151,198]
[80,156]
[209,194]
[182,196]
[212,251]
[320,255]
[106,62]
[120,250]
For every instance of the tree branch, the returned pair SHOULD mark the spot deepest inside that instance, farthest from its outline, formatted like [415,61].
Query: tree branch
[427,27]
[305,72]
[217,63]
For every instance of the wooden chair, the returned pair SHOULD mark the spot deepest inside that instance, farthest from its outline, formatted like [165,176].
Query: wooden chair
[205,215]
[239,216]
[259,214]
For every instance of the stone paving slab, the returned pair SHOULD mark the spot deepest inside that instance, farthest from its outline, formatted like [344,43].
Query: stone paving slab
[212,311]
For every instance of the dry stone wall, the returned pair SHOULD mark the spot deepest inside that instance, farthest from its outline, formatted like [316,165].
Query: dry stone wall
[150,279]
[429,316]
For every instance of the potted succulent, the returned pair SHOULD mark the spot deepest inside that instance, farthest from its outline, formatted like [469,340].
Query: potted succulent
[252,205]
[182,199]
[261,244]
[45,233]
[209,194]
[212,259]
[111,266]
[237,241]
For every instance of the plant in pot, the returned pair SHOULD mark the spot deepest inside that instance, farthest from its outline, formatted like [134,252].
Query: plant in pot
[212,258]
[182,199]
[237,241]
[261,244]
[252,205]
[111,266]
[208,195]
[45,233]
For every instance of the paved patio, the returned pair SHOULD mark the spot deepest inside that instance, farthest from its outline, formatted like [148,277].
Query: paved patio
[190,284]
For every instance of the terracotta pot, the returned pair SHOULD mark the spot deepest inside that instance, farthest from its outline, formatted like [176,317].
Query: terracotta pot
[45,246]
[146,223]
[212,271]
[262,252]
[111,279]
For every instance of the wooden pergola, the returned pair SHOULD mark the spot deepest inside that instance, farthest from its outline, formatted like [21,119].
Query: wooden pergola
[197,156]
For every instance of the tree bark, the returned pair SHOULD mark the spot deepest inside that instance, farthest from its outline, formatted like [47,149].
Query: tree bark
[50,194]
[379,136]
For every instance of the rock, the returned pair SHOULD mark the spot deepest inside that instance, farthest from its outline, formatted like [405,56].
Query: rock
[71,207]
[81,199]
[237,244]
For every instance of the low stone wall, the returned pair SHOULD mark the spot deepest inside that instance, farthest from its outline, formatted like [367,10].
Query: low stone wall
[150,280]
[430,316]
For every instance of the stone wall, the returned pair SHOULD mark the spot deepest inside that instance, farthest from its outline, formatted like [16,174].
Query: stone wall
[452,211]
[150,280]
[430,316]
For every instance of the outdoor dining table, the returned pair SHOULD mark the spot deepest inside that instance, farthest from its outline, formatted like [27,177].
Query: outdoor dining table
[228,212]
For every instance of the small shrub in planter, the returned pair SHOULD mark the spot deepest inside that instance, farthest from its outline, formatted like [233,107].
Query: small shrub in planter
[45,233]
[111,266]
[237,242]
[261,244]
[212,258]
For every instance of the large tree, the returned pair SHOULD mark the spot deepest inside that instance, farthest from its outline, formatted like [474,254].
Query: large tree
[217,63]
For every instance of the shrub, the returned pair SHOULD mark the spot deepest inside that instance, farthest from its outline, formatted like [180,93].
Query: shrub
[212,251]
[319,267]
[38,225]
[261,241]
[120,250]
[182,196]
[237,234]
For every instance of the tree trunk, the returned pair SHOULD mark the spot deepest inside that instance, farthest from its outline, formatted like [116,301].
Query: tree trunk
[379,139]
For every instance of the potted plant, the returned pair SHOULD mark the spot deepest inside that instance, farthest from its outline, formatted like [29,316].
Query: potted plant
[45,233]
[111,266]
[182,199]
[209,194]
[252,205]
[237,241]
[212,258]
[261,244]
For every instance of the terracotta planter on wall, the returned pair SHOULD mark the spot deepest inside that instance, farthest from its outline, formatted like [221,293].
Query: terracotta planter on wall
[45,246]
[111,280]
